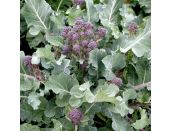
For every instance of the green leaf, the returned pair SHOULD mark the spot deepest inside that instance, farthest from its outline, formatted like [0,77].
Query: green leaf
[143,122]
[129,94]
[120,124]
[140,44]
[33,100]
[91,11]
[53,39]
[36,41]
[45,53]
[75,102]
[73,13]
[96,56]
[108,14]
[60,83]
[89,96]
[29,127]
[27,84]
[146,4]
[121,107]
[85,86]
[33,31]
[106,93]
[50,109]
[36,14]
[115,61]
[57,125]
[76,92]
[62,100]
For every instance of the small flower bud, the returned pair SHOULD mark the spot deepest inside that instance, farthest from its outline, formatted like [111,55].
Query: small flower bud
[75,116]
[27,61]
[76,48]
[117,81]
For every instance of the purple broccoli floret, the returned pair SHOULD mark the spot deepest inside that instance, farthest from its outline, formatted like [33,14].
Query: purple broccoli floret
[27,61]
[101,32]
[132,27]
[75,116]
[76,48]
[84,43]
[78,2]
[92,45]
[66,49]
[117,81]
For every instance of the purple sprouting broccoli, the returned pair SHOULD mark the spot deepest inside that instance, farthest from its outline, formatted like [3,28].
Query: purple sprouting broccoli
[75,36]
[117,81]
[101,32]
[65,49]
[88,25]
[133,27]
[84,43]
[92,44]
[79,21]
[27,61]
[76,48]
[78,2]
[88,32]
[75,116]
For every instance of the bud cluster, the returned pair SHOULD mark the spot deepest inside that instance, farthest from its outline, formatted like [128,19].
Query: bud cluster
[81,38]
[132,28]
[75,116]
[117,81]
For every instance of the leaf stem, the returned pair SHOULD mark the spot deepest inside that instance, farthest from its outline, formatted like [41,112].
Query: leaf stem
[76,127]
[27,76]
[23,96]
[141,86]
[59,5]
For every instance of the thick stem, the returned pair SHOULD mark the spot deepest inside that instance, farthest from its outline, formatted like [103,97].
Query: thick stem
[76,127]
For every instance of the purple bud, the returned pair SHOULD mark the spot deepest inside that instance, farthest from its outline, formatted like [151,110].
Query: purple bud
[92,45]
[66,29]
[88,32]
[84,43]
[66,49]
[70,35]
[75,116]
[82,33]
[101,32]
[88,25]
[27,61]
[132,27]
[76,48]
[117,81]
[78,2]
[75,37]
[64,34]
[79,21]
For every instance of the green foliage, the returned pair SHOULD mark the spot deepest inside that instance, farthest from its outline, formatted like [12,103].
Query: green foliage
[85,83]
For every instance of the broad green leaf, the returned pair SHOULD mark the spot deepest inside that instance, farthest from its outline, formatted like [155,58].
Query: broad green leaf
[129,94]
[33,31]
[115,61]
[36,14]
[146,4]
[36,41]
[57,125]
[62,101]
[33,100]
[60,83]
[89,96]
[108,15]
[53,39]
[27,84]
[92,14]
[28,114]
[29,127]
[76,92]
[121,107]
[45,53]
[50,110]
[73,13]
[106,93]
[75,102]
[120,124]
[96,56]
[140,44]
[144,121]
[85,86]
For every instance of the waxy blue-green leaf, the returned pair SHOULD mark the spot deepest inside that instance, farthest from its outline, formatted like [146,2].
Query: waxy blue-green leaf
[115,61]
[96,56]
[57,125]
[76,92]
[140,44]
[60,83]
[144,121]
[36,14]
[63,100]
[129,94]
[33,100]
[75,102]
[45,53]
[29,127]
[120,124]
[36,41]
[108,15]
